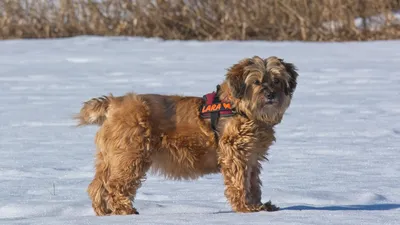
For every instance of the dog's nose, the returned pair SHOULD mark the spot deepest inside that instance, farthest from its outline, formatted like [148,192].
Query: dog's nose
[271,95]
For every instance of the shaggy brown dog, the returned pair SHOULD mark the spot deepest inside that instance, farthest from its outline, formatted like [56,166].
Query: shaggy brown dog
[167,134]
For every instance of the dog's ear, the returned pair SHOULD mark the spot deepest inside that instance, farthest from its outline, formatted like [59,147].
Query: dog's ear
[292,82]
[235,78]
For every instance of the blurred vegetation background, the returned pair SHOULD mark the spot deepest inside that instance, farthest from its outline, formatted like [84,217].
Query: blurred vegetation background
[303,20]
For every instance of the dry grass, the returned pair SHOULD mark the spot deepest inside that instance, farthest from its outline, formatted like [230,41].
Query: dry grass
[308,20]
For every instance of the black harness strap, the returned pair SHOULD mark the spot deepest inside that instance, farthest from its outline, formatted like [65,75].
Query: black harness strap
[214,108]
[214,116]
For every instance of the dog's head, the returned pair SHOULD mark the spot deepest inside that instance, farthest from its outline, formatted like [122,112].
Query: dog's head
[261,88]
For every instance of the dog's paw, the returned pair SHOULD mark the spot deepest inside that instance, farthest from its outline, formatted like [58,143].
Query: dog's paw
[268,206]
[126,211]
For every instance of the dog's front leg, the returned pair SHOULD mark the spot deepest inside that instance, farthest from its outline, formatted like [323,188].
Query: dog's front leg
[255,184]
[236,182]
[239,159]
[242,182]
[255,190]
[234,158]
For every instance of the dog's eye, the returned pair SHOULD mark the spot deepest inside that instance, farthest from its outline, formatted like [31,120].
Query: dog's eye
[257,82]
[277,81]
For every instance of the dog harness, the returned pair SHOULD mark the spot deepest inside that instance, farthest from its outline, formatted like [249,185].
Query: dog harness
[214,108]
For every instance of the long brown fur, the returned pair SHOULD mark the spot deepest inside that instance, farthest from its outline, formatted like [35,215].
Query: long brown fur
[166,134]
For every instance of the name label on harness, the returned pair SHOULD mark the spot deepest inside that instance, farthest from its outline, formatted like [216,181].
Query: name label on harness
[221,106]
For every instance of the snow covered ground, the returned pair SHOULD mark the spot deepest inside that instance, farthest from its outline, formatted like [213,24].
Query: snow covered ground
[336,159]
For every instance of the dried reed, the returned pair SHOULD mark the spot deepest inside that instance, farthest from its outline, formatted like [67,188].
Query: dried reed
[306,20]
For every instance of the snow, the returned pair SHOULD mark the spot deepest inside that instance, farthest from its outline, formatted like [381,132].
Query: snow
[378,21]
[336,159]
[374,22]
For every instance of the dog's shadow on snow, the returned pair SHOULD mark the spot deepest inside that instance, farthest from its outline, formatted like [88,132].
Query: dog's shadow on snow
[371,207]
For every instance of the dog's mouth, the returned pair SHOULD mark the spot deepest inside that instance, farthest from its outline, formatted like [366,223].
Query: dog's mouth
[268,101]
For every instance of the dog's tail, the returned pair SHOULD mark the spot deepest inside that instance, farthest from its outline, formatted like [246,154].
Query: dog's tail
[94,111]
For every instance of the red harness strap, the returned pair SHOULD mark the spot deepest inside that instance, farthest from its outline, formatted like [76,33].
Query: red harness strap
[211,106]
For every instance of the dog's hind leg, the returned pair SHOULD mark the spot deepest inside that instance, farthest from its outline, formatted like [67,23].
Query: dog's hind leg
[127,135]
[96,190]
[128,171]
